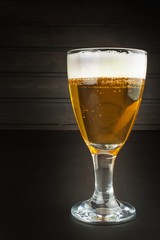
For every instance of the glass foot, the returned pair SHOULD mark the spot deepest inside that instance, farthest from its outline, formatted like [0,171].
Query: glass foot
[86,212]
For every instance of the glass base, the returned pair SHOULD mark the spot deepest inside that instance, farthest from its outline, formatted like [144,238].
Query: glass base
[85,212]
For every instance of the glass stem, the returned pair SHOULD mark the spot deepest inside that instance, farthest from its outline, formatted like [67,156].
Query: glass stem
[103,169]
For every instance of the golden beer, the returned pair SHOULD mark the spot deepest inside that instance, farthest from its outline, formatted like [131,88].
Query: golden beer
[106,87]
[105,108]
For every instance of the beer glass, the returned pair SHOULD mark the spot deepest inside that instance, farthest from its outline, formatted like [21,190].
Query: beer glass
[106,87]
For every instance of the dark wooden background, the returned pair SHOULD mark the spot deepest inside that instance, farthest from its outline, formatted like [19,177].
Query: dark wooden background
[34,39]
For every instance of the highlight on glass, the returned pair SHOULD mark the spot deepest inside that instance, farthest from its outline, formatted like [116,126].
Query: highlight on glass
[106,88]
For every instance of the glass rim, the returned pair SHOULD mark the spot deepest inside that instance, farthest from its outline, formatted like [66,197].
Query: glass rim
[118,49]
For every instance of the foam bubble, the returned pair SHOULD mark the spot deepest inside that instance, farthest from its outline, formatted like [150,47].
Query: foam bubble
[110,63]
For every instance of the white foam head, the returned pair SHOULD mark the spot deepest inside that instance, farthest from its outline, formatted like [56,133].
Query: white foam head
[129,63]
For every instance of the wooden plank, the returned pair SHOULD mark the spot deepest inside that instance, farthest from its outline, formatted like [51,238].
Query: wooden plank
[78,36]
[34,87]
[86,12]
[42,127]
[55,86]
[16,60]
[149,113]
[29,112]
[60,113]
[152,87]
[49,60]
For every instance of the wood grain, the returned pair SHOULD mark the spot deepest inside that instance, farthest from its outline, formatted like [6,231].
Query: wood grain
[35,38]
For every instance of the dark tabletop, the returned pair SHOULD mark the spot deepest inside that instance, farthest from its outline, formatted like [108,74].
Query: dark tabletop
[43,173]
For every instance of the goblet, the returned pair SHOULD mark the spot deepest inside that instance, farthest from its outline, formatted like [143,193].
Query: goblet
[106,87]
